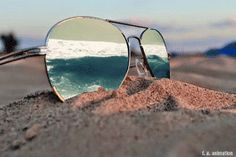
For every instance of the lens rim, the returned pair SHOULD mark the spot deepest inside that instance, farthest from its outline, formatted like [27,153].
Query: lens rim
[165,45]
[54,89]
[141,37]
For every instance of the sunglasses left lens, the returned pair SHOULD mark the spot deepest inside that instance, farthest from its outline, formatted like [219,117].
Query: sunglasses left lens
[84,54]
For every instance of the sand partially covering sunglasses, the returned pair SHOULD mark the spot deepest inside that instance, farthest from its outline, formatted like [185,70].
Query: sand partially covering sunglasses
[154,95]
[145,117]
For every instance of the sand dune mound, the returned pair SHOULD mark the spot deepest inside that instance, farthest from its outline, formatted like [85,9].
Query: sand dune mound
[154,95]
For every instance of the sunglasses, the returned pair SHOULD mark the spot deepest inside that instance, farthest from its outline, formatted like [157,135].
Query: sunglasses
[82,54]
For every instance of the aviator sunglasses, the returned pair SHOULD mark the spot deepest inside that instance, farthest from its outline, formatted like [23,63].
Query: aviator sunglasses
[82,54]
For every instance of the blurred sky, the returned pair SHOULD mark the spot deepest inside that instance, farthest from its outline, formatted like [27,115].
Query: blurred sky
[186,25]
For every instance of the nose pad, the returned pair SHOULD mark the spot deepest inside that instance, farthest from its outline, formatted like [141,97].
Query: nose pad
[138,66]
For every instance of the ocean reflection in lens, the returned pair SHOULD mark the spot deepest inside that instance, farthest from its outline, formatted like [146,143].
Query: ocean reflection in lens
[84,54]
[156,53]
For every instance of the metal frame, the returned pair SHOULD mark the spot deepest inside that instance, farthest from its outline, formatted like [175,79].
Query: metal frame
[67,19]
[38,51]
[139,38]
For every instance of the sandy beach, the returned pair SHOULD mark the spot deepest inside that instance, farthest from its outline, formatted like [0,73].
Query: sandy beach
[217,73]
[145,117]
[123,78]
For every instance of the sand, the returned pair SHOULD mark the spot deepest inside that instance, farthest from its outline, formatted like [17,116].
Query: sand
[217,73]
[21,78]
[145,117]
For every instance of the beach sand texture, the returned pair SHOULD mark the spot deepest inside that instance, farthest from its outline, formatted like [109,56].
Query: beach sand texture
[145,117]
[21,78]
[217,73]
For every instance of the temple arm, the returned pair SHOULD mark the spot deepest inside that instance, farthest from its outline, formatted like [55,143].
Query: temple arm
[22,54]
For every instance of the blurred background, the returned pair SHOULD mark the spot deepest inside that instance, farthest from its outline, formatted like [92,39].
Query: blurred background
[200,35]
[188,26]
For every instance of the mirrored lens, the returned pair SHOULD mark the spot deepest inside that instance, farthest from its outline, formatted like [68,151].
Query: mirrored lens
[156,53]
[84,54]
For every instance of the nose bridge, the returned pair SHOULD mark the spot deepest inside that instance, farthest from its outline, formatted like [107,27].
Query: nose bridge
[138,65]
[134,45]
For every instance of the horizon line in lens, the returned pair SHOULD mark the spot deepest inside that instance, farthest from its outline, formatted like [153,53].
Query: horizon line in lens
[67,49]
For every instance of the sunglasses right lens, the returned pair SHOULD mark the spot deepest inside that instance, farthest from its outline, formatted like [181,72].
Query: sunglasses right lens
[156,53]
[84,54]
